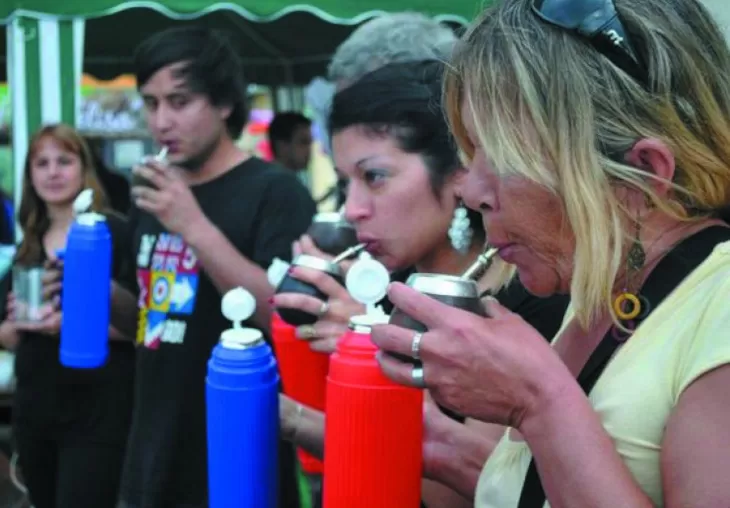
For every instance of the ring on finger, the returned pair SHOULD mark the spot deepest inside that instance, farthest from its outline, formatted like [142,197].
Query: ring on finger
[324,309]
[306,332]
[416,346]
[417,376]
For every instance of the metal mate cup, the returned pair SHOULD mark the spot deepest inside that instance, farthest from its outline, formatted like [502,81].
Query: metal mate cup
[289,284]
[138,181]
[28,291]
[453,291]
[331,233]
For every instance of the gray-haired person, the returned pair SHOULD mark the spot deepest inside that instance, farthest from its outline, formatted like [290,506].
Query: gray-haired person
[392,38]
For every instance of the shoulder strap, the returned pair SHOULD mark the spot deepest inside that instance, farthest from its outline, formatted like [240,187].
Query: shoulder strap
[666,276]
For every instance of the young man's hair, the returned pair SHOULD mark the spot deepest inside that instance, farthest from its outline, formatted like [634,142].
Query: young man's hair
[284,125]
[212,68]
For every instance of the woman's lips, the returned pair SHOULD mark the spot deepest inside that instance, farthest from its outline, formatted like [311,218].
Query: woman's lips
[373,247]
[55,187]
[508,252]
[172,146]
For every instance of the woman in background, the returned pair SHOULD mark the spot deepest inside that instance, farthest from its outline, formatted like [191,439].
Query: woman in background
[70,426]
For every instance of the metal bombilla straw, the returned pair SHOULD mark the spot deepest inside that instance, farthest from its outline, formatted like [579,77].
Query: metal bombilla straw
[346,254]
[482,262]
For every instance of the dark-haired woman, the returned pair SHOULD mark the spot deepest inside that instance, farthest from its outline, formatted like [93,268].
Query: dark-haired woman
[70,426]
[393,145]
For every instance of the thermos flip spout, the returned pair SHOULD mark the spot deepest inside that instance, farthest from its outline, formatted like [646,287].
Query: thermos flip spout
[237,306]
[83,201]
[367,282]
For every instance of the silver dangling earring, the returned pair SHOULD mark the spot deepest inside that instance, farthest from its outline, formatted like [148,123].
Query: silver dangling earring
[460,232]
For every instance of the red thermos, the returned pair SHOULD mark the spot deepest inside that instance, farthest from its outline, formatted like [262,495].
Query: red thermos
[373,427]
[304,375]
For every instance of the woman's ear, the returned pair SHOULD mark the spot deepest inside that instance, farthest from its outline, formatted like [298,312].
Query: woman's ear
[457,178]
[654,157]
[453,184]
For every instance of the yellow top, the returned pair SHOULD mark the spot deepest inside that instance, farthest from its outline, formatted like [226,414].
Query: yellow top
[684,338]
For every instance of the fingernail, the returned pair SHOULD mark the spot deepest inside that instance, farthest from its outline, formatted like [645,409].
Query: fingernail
[271,301]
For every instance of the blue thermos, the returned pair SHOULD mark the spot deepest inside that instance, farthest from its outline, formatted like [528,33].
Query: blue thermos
[85,299]
[242,396]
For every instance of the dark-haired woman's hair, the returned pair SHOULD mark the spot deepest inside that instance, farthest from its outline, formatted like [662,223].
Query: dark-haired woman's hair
[403,100]
[33,212]
[211,67]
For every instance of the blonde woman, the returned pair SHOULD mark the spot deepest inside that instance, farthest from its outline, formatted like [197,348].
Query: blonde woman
[597,136]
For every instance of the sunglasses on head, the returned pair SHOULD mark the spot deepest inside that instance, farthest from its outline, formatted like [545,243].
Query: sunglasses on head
[598,23]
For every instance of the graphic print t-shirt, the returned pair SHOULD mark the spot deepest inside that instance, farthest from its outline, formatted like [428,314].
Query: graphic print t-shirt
[261,209]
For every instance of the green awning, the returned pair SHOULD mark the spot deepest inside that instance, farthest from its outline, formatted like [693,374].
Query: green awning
[291,49]
[332,11]
[279,42]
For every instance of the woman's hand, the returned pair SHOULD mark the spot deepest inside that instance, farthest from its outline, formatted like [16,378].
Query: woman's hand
[496,369]
[289,413]
[48,321]
[48,317]
[437,429]
[332,323]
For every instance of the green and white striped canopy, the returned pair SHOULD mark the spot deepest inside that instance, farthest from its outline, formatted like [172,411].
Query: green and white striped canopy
[332,11]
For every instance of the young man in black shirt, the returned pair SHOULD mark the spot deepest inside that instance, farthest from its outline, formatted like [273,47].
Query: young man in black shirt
[210,219]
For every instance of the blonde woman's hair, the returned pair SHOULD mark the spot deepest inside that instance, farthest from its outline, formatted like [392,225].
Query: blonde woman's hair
[551,108]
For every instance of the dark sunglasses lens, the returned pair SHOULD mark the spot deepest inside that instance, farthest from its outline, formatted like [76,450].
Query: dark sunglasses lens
[572,14]
[597,21]
[562,13]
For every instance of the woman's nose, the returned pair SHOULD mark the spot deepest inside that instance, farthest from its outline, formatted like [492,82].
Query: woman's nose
[478,188]
[54,169]
[356,207]
[468,191]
